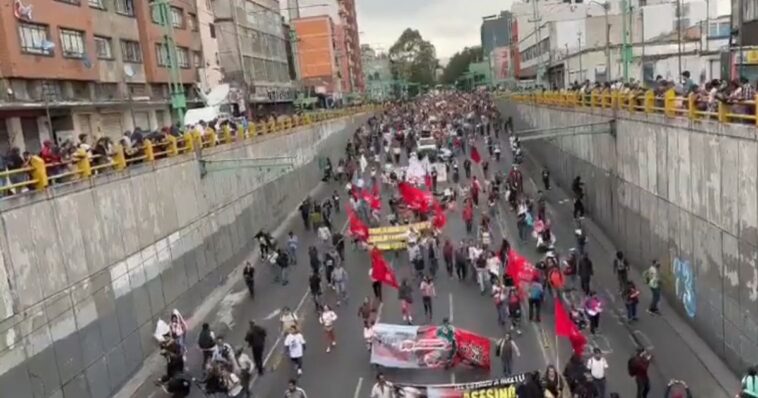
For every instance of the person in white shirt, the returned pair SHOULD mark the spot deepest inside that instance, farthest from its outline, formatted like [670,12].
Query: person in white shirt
[246,370]
[597,366]
[327,319]
[382,388]
[294,343]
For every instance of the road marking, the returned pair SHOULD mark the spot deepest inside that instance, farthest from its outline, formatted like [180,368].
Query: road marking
[452,377]
[272,315]
[542,342]
[278,341]
[358,388]
[450,317]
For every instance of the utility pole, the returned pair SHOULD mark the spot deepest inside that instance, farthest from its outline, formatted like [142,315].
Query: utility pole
[606,7]
[581,68]
[679,35]
[538,31]
[178,99]
[626,47]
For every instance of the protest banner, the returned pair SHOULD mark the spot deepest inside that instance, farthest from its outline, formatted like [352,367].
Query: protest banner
[394,238]
[497,388]
[417,347]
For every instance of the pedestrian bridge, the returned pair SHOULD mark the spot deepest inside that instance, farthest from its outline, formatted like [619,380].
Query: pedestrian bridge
[87,266]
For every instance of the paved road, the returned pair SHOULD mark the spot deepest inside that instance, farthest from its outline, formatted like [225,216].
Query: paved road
[345,372]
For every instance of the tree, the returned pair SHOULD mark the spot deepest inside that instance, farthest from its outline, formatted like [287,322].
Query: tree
[459,62]
[413,59]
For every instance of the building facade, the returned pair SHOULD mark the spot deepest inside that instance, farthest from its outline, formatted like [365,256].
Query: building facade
[207,62]
[252,47]
[317,54]
[377,74]
[496,31]
[91,67]
[349,22]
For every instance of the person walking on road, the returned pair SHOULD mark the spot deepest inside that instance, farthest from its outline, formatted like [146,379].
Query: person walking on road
[448,253]
[593,306]
[293,391]
[305,213]
[652,278]
[292,244]
[428,292]
[382,388]
[505,349]
[597,366]
[621,269]
[339,279]
[256,339]
[499,296]
[294,344]
[283,261]
[536,293]
[631,299]
[327,319]
[405,295]
[460,261]
[314,284]
[206,341]
[749,384]
[287,320]
[637,367]
[585,273]
[246,371]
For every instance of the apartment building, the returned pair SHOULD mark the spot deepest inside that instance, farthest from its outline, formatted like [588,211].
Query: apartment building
[208,64]
[94,67]
[348,20]
[252,47]
[317,54]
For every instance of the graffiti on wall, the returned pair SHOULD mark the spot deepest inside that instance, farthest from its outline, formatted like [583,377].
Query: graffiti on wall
[684,285]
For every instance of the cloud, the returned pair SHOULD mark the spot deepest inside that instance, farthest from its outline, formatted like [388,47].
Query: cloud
[449,24]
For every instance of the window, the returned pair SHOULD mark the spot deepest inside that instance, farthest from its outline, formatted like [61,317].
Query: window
[72,43]
[161,54]
[103,48]
[192,21]
[131,51]
[197,59]
[155,15]
[125,7]
[97,4]
[212,30]
[182,57]
[34,39]
[177,17]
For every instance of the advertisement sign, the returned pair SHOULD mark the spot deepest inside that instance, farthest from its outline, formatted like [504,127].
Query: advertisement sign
[419,347]
[501,57]
[394,238]
[498,388]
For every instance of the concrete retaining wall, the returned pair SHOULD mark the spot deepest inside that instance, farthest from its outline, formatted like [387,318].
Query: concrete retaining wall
[87,268]
[679,191]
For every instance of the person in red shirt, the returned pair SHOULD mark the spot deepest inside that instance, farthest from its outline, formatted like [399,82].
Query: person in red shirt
[637,367]
[468,216]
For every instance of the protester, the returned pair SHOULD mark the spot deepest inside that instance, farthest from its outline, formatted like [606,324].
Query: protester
[327,319]
[652,279]
[598,366]
[256,340]
[405,295]
[637,367]
[382,388]
[206,341]
[293,391]
[505,349]
[428,293]
[294,344]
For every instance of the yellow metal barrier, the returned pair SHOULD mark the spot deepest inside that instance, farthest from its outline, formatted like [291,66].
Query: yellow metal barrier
[38,175]
[669,104]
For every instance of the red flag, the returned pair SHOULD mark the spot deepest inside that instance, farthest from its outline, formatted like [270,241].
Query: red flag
[520,270]
[380,271]
[475,155]
[373,199]
[440,219]
[566,328]
[415,198]
[357,228]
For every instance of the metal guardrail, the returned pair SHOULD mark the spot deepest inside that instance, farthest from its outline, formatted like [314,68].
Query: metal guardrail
[37,175]
[670,104]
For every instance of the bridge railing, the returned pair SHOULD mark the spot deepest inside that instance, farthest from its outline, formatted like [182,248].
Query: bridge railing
[37,175]
[669,104]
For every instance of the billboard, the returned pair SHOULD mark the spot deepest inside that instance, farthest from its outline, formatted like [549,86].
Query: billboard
[501,63]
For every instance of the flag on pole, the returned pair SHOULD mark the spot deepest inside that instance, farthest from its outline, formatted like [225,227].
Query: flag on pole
[415,198]
[475,155]
[380,270]
[566,328]
[358,229]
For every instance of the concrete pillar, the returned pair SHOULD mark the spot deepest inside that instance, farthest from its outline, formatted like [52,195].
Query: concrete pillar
[155,124]
[127,121]
[45,133]
[15,133]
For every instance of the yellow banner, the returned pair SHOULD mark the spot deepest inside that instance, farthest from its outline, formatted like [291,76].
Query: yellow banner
[394,238]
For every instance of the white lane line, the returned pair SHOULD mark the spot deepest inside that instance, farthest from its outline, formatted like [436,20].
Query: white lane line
[357,392]
[272,315]
[452,377]
[541,342]
[450,317]
[275,346]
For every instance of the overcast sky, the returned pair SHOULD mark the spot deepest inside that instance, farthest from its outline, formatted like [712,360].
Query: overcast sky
[449,24]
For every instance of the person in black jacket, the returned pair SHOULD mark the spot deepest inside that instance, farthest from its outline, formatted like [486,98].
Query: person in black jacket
[206,341]
[585,272]
[256,339]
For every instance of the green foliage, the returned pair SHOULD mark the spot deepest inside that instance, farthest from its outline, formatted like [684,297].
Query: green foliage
[459,62]
[413,59]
